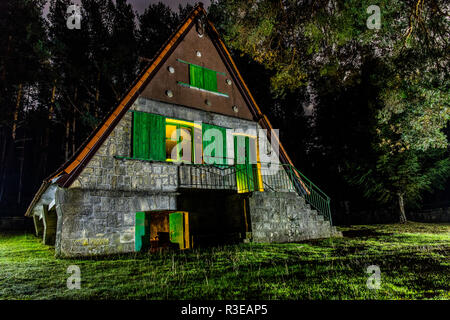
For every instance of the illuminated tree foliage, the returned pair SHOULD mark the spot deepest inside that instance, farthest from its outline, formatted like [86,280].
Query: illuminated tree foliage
[397,74]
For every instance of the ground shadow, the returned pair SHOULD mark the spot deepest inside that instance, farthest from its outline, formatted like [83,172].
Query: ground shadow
[361,233]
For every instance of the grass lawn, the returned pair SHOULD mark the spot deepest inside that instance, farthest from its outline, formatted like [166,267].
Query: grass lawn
[413,259]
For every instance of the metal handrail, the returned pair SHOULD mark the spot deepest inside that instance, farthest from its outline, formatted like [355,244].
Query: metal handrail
[318,199]
[309,182]
[293,180]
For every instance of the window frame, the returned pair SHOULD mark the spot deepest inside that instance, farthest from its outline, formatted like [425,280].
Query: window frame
[179,124]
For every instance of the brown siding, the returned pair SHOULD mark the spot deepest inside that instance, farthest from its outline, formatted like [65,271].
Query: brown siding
[187,51]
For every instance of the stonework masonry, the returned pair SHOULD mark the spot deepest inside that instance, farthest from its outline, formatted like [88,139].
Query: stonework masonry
[102,221]
[96,214]
[285,217]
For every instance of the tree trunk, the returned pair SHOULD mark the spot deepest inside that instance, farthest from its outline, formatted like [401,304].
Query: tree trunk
[67,138]
[402,208]
[45,148]
[16,112]
[4,142]
[5,59]
[97,96]
[52,102]
[74,121]
[21,161]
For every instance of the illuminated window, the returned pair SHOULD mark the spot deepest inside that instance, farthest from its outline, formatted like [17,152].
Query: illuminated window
[179,143]
[171,142]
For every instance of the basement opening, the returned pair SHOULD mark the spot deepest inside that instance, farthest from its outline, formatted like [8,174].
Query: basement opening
[161,230]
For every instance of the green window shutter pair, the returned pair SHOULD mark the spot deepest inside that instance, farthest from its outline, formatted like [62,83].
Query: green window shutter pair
[203,78]
[218,158]
[149,136]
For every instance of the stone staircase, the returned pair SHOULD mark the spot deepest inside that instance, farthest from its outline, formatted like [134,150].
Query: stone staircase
[286,217]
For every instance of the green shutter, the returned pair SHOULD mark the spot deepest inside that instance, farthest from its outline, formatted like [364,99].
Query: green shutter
[221,158]
[246,172]
[148,136]
[176,227]
[203,78]
[141,145]
[249,165]
[141,231]
[196,76]
[210,80]
[239,158]
[157,126]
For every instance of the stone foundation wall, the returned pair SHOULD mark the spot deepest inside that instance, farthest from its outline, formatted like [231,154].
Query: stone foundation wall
[102,221]
[285,217]
[380,216]
[430,215]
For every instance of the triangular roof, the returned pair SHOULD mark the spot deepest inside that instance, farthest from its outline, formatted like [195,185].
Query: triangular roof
[69,171]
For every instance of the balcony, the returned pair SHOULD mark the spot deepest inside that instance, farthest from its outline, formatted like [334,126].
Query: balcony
[191,176]
[242,178]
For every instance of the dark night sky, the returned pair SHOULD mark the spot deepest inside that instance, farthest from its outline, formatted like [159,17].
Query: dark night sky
[140,5]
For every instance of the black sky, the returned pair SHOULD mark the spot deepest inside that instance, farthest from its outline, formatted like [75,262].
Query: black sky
[140,5]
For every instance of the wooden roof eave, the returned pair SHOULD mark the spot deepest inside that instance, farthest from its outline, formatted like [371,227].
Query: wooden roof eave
[37,197]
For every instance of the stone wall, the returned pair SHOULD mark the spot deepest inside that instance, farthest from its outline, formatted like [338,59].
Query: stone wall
[285,217]
[189,114]
[96,215]
[106,171]
[102,221]
[430,215]
[391,215]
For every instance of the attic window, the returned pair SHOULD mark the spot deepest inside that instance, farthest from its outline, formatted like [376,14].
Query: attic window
[202,78]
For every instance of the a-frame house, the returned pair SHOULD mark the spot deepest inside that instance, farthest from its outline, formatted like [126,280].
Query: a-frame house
[186,159]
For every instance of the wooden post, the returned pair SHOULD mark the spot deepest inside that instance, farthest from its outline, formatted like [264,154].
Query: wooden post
[49,218]
[38,226]
[16,111]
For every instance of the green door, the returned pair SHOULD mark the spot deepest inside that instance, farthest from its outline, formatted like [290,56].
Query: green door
[142,231]
[176,227]
[244,155]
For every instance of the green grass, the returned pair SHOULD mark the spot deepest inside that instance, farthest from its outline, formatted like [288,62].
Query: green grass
[413,258]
